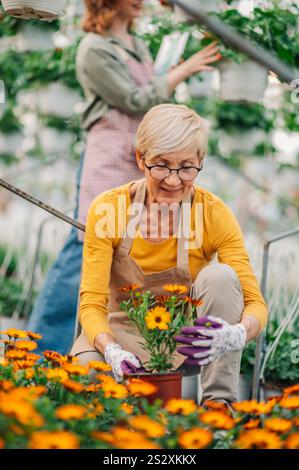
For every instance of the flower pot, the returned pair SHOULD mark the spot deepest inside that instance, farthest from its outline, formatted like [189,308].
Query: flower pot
[55,142]
[242,82]
[169,385]
[41,9]
[56,99]
[34,38]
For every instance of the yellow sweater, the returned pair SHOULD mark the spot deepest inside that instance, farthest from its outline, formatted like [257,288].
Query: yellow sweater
[220,233]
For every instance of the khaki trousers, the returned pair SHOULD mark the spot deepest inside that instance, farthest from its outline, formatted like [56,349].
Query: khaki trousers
[218,286]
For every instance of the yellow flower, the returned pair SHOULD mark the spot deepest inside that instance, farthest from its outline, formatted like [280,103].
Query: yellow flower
[291,402]
[246,406]
[114,391]
[217,419]
[68,412]
[181,406]
[75,369]
[265,407]
[105,378]
[53,440]
[195,438]
[99,366]
[73,386]
[138,387]
[290,390]
[32,357]
[23,364]
[128,409]
[292,441]
[14,333]
[258,439]
[29,373]
[34,336]
[22,411]
[147,425]
[15,354]
[57,374]
[279,425]
[157,317]
[26,345]
[175,288]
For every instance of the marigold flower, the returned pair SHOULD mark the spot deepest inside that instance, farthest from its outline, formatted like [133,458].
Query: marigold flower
[26,345]
[258,439]
[75,369]
[126,439]
[128,409]
[32,357]
[69,412]
[147,425]
[114,391]
[23,364]
[292,441]
[72,386]
[57,374]
[215,405]
[162,299]
[175,288]
[34,336]
[279,425]
[195,302]
[265,407]
[93,388]
[157,317]
[15,354]
[290,390]
[252,424]
[14,333]
[181,406]
[195,438]
[290,402]
[246,406]
[102,436]
[52,356]
[217,419]
[22,411]
[138,387]
[129,288]
[99,366]
[6,385]
[53,440]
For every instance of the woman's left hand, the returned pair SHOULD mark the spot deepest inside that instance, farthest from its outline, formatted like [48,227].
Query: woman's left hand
[211,337]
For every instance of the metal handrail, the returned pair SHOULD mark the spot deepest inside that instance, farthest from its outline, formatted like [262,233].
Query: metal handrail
[260,349]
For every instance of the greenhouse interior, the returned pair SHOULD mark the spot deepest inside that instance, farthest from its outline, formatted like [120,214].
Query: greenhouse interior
[48,399]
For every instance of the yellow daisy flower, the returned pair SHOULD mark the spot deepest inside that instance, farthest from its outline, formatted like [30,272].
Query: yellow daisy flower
[279,425]
[129,288]
[53,440]
[114,391]
[181,406]
[157,317]
[72,386]
[138,387]
[145,424]
[127,439]
[258,439]
[57,374]
[99,366]
[217,419]
[75,369]
[290,402]
[252,424]
[34,336]
[195,438]
[14,333]
[175,288]
[26,345]
[69,412]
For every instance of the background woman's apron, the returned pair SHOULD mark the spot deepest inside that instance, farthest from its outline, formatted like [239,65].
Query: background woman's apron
[125,271]
[109,159]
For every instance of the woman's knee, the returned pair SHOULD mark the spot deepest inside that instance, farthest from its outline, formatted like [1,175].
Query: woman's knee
[218,276]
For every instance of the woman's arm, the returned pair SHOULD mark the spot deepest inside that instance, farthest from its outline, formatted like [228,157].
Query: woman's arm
[252,326]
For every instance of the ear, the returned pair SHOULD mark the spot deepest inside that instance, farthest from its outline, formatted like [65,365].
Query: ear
[139,160]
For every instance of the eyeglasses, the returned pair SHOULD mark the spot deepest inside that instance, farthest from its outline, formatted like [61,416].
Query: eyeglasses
[161,172]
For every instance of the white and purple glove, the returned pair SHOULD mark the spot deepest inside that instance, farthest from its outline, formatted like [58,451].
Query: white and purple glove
[211,337]
[122,362]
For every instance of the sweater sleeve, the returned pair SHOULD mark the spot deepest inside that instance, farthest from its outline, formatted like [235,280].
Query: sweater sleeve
[109,78]
[227,240]
[96,265]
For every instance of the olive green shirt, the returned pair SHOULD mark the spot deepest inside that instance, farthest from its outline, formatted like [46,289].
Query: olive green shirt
[106,80]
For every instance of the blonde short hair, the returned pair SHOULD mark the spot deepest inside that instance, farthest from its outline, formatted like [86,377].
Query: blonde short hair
[168,128]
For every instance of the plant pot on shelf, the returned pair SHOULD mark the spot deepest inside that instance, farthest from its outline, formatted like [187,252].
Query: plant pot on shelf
[169,385]
[56,99]
[242,82]
[34,38]
[41,9]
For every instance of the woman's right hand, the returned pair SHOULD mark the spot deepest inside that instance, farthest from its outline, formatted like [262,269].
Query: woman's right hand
[121,361]
[200,61]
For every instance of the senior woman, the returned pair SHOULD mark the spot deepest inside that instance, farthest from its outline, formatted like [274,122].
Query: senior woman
[122,248]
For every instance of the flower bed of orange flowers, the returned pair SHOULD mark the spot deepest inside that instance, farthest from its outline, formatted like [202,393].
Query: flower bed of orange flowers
[53,402]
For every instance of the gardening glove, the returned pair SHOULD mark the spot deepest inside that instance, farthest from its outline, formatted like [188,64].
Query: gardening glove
[211,337]
[121,361]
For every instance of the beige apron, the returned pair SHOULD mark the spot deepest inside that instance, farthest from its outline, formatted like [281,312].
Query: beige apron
[125,271]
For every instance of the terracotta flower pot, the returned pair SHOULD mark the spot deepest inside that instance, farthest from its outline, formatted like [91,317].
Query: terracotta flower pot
[169,385]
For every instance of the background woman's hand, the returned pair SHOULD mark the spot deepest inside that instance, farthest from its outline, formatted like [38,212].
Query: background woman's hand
[200,61]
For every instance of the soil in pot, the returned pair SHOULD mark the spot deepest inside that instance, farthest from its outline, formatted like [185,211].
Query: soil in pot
[169,385]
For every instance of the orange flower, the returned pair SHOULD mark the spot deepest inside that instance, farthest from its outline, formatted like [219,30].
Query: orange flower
[70,412]
[99,366]
[181,406]
[102,436]
[53,440]
[75,369]
[33,336]
[32,357]
[26,345]
[52,356]
[290,402]
[175,288]
[217,419]
[279,425]
[22,411]
[15,354]
[73,386]
[252,424]
[196,438]
[265,407]
[290,390]
[292,441]
[57,374]
[23,364]
[93,388]
[258,439]
[162,299]
[14,333]
[215,405]
[114,391]
[147,425]
[6,385]
[157,317]
[126,439]
[195,302]
[138,387]
[128,409]
[129,288]
[296,421]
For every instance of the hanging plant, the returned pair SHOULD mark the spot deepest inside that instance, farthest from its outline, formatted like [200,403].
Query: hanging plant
[40,9]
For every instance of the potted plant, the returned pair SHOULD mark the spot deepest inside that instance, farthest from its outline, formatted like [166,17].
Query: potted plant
[40,9]
[158,319]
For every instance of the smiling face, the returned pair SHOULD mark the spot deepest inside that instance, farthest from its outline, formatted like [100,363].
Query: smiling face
[172,189]
[130,9]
